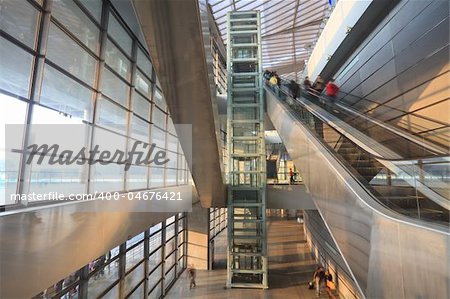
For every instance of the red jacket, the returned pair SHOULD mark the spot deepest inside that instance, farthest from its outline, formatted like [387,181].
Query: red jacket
[332,89]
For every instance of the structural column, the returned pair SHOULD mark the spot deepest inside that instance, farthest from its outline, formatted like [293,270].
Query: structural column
[198,237]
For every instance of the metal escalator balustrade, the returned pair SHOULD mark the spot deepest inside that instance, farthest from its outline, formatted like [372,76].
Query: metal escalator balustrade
[400,144]
[434,133]
[417,187]
[247,248]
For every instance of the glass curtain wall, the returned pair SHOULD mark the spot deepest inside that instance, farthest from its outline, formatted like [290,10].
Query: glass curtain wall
[217,221]
[77,62]
[145,266]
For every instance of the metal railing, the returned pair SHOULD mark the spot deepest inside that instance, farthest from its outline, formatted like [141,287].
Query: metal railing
[414,186]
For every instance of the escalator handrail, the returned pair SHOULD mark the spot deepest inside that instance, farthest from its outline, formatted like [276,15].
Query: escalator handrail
[408,220]
[432,194]
[359,114]
[393,108]
[352,138]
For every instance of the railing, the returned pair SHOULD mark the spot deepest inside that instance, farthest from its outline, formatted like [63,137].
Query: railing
[440,130]
[414,186]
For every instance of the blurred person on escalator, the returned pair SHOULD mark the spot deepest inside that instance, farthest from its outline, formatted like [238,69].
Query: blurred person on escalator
[319,85]
[267,74]
[332,89]
[294,89]
[273,80]
[307,84]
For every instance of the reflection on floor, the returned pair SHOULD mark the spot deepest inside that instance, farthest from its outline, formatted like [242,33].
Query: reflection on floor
[291,266]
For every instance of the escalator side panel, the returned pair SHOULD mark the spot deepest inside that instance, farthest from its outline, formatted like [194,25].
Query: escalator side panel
[380,247]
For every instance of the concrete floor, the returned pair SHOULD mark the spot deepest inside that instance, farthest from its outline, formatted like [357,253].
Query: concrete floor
[291,266]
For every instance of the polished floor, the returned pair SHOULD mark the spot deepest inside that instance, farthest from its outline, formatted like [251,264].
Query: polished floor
[291,266]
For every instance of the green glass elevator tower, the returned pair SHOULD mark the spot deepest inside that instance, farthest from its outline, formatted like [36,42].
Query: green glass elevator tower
[247,244]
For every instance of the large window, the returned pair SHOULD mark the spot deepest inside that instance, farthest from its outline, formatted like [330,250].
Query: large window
[119,34]
[20,20]
[141,106]
[73,19]
[151,260]
[66,95]
[15,66]
[115,88]
[117,60]
[69,55]
[84,77]
[217,221]
[9,169]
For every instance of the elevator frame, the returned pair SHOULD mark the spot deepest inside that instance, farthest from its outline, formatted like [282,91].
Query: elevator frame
[247,232]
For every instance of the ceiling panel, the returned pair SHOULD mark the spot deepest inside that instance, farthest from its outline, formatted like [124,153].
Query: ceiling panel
[289,28]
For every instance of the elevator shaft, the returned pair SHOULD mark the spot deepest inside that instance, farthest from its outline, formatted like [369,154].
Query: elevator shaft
[247,242]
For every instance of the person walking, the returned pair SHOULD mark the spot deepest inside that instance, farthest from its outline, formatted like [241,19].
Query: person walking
[319,279]
[192,275]
[291,174]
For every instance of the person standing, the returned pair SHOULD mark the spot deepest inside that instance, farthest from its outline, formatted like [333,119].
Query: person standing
[319,85]
[307,84]
[278,79]
[294,88]
[332,88]
[291,174]
[273,80]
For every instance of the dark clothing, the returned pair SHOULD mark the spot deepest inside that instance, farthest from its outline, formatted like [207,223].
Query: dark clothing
[320,273]
[319,279]
[294,88]
[192,275]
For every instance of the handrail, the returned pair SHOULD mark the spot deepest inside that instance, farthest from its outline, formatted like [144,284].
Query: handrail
[412,167]
[438,155]
[438,123]
[396,109]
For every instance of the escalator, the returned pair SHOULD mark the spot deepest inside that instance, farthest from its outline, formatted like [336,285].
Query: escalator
[383,196]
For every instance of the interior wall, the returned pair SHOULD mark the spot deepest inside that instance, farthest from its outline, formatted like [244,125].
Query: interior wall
[400,73]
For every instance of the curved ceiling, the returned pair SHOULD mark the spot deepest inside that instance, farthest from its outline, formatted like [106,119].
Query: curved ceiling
[289,29]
